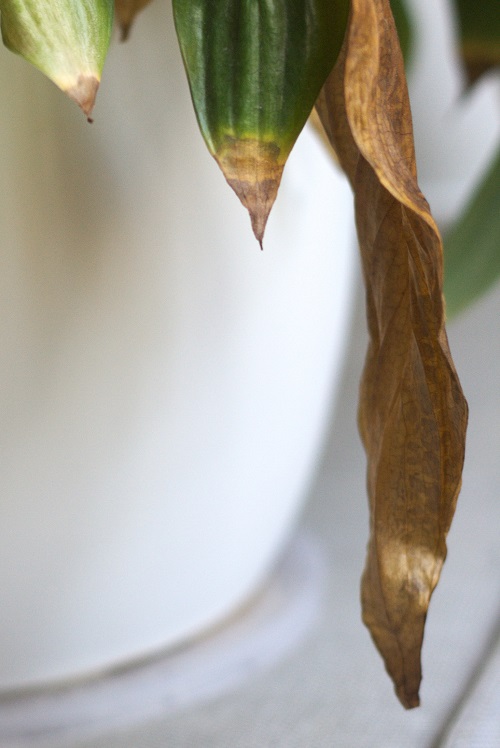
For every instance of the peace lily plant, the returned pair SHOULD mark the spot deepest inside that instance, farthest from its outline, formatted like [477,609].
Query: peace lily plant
[256,70]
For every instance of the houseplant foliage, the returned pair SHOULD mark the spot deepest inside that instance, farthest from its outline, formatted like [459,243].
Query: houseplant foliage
[471,273]
[479,29]
[255,70]
[67,41]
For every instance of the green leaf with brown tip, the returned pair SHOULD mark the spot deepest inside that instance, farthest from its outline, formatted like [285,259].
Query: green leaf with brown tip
[255,68]
[65,39]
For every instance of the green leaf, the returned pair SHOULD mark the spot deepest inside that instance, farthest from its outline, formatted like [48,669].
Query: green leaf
[255,68]
[403,27]
[479,25]
[472,246]
[65,39]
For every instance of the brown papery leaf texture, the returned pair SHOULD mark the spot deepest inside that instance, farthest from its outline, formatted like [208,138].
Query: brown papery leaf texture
[412,412]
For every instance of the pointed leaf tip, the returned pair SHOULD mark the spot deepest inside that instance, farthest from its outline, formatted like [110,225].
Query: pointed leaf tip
[408,700]
[255,70]
[125,12]
[84,93]
[125,31]
[253,170]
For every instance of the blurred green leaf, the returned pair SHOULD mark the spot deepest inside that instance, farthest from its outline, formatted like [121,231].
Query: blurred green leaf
[479,25]
[403,26]
[472,247]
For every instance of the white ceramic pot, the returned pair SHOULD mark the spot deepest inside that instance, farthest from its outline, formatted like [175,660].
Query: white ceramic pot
[164,385]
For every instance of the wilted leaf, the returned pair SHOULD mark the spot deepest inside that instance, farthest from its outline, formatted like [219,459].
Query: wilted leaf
[125,13]
[479,27]
[255,68]
[66,40]
[472,246]
[412,412]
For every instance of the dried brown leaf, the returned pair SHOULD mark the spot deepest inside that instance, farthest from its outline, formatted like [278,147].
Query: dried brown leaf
[412,412]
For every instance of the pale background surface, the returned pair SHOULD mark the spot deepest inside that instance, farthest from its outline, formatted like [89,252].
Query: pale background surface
[332,689]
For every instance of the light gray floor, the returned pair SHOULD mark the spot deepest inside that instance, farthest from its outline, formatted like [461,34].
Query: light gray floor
[332,689]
